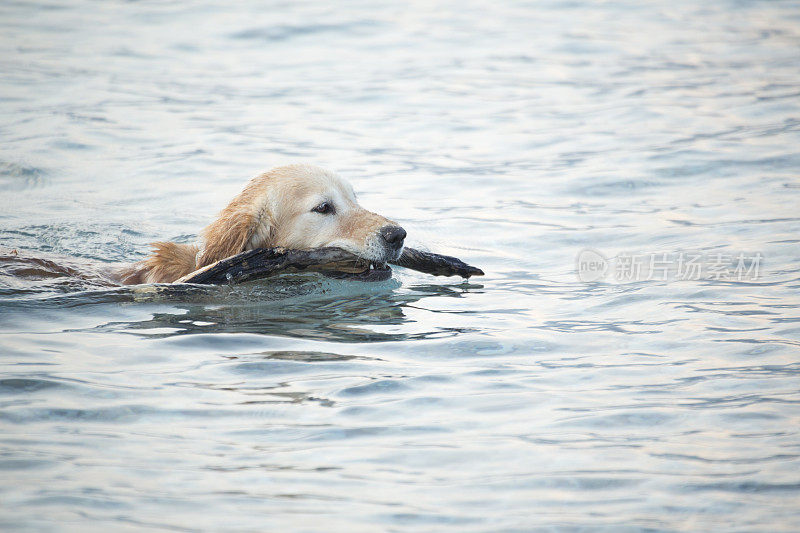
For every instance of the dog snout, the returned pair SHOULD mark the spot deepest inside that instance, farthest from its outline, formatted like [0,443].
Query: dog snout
[393,235]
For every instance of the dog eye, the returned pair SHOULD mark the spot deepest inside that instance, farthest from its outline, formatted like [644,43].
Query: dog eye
[325,208]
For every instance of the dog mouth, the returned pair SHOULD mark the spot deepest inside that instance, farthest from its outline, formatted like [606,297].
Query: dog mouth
[370,271]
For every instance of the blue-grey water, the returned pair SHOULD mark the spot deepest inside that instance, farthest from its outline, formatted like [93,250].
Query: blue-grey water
[514,135]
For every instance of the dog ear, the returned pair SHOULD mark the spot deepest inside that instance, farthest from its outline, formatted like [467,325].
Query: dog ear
[235,231]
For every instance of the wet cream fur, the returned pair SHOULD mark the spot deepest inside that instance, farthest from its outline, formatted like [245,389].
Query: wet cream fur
[274,209]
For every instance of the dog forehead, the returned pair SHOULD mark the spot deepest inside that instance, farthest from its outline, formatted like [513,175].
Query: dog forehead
[293,189]
[315,181]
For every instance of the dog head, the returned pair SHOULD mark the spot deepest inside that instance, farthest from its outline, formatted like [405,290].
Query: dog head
[300,207]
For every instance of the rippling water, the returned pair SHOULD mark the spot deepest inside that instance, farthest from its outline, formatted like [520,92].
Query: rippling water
[514,136]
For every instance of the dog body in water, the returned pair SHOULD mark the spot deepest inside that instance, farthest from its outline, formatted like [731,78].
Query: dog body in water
[297,207]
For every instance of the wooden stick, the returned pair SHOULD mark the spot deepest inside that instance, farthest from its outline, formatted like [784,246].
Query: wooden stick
[264,262]
[438,265]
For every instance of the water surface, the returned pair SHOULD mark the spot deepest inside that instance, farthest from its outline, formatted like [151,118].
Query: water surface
[514,136]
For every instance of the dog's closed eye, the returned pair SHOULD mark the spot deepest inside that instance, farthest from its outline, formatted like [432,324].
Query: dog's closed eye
[325,208]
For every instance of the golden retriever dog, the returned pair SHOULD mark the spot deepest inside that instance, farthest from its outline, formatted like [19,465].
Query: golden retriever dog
[295,206]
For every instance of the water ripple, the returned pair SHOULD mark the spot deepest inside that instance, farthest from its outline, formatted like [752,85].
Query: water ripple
[511,135]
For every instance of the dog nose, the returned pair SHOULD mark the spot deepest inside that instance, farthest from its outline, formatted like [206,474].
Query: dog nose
[393,235]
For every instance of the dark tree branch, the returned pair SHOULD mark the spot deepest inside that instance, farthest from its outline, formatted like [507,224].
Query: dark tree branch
[266,262]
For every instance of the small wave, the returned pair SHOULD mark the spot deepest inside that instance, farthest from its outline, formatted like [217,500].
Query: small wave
[17,177]
[283,32]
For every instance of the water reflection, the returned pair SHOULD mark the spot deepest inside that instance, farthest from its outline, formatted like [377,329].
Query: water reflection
[303,306]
